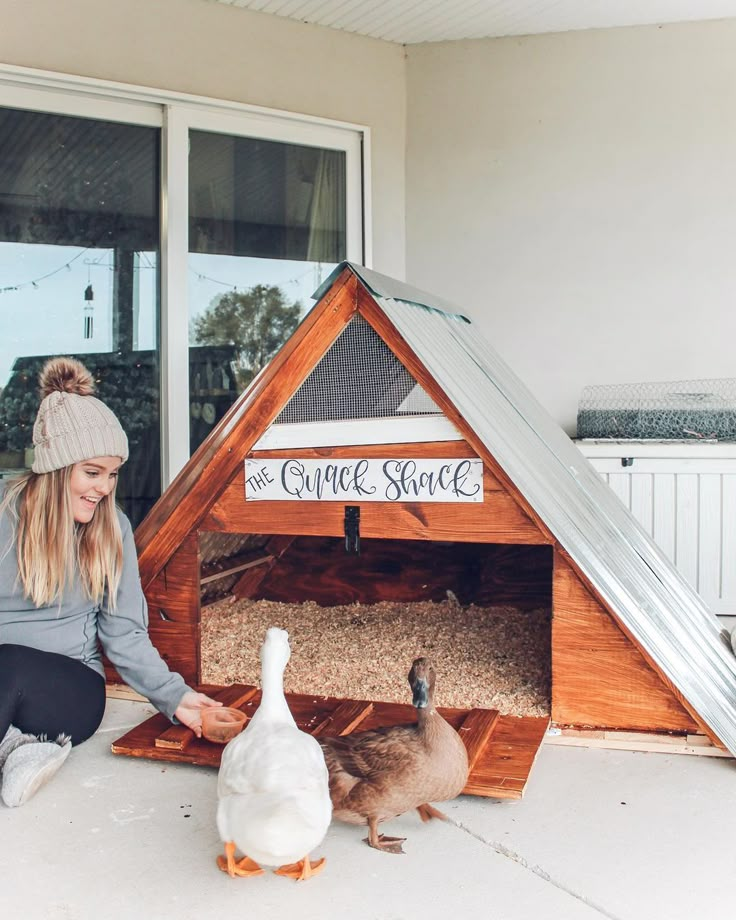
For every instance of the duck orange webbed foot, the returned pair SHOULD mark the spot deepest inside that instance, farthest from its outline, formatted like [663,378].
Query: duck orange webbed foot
[427,812]
[241,868]
[302,870]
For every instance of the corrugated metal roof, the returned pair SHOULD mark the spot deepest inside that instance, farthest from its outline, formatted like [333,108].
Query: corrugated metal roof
[412,21]
[644,590]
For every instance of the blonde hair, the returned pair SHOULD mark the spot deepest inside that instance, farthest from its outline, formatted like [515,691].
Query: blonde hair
[50,544]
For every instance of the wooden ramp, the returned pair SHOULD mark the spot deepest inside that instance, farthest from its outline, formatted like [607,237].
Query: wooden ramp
[501,749]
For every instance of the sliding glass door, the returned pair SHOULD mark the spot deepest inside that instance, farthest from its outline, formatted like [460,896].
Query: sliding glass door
[172,245]
[267,221]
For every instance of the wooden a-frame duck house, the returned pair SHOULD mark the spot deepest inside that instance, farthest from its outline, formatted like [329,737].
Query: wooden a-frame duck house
[386,416]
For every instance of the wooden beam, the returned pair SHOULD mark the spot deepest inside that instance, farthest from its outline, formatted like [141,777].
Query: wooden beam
[497,519]
[234,564]
[699,745]
[174,595]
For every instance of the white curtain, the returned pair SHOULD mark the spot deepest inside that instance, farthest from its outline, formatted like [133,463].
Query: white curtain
[327,215]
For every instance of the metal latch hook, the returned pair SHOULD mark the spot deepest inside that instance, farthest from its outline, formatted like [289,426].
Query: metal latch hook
[352,529]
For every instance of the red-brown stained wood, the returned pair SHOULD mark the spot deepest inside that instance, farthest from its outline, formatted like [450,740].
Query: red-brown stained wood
[140,741]
[475,731]
[600,679]
[174,594]
[174,613]
[179,646]
[345,719]
[187,499]
[318,569]
[234,565]
[179,737]
[503,767]
[248,584]
[497,519]
[500,774]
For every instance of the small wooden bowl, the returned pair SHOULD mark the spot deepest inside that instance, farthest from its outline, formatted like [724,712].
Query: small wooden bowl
[221,724]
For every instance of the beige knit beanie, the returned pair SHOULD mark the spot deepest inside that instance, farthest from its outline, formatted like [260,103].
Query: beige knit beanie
[72,425]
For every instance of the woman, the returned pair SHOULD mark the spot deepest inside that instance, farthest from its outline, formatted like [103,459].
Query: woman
[69,584]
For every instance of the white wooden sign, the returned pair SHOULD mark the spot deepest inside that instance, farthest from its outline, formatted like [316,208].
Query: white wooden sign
[375,480]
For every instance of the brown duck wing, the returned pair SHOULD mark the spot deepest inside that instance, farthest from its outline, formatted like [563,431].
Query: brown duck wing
[368,754]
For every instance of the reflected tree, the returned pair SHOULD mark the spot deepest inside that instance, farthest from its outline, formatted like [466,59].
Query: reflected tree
[256,322]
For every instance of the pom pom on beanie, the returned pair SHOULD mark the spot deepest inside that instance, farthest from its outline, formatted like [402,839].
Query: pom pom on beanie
[72,425]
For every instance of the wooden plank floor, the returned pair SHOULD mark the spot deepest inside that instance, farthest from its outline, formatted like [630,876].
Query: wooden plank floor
[501,749]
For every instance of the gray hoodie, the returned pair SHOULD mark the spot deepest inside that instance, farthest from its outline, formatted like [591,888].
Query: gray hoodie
[73,626]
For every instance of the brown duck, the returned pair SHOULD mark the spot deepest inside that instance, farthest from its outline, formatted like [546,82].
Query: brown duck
[379,774]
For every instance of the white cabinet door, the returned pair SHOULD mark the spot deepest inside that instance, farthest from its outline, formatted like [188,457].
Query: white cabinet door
[685,498]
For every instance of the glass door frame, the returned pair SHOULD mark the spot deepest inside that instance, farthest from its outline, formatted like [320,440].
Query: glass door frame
[177,114]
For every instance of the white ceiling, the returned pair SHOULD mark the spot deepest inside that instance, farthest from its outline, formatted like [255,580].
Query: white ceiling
[411,21]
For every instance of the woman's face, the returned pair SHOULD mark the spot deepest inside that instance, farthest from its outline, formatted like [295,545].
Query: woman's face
[89,483]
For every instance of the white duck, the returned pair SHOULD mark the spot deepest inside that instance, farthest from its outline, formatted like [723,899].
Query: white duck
[273,789]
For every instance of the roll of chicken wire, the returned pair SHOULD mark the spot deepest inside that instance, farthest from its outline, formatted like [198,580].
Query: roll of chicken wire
[681,410]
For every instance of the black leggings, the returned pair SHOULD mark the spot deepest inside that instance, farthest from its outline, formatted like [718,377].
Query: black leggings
[46,693]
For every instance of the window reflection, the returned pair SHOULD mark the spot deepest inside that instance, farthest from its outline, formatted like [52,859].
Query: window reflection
[79,239]
[267,223]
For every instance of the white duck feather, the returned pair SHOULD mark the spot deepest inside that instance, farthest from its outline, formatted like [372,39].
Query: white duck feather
[273,787]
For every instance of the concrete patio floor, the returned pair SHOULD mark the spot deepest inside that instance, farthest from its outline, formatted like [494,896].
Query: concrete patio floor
[599,833]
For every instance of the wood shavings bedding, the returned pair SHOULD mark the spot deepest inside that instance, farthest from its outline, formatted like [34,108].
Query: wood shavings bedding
[489,657]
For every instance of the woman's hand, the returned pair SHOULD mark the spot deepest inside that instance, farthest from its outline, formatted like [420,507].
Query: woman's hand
[190,709]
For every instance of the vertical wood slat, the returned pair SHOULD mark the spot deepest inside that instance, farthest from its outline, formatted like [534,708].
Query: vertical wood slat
[621,485]
[728,538]
[687,503]
[664,508]
[686,530]
[641,500]
[709,534]
[174,595]
[173,599]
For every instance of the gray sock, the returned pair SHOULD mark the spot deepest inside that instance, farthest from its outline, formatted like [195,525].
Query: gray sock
[29,767]
[13,739]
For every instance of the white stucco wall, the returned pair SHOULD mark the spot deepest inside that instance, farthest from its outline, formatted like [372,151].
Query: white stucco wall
[576,195]
[210,49]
